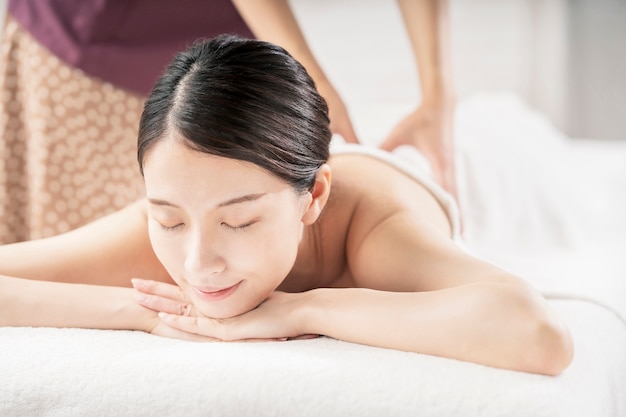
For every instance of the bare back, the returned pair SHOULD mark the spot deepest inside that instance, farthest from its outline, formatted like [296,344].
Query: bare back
[365,191]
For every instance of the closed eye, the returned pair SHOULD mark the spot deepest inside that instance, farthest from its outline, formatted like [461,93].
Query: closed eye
[171,228]
[241,227]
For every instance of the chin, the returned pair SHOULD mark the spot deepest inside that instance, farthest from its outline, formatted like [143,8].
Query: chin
[216,311]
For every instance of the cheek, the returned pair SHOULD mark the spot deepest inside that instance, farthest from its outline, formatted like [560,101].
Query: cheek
[282,246]
[167,250]
[266,251]
[270,253]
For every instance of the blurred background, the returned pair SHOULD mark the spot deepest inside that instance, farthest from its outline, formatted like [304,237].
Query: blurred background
[565,58]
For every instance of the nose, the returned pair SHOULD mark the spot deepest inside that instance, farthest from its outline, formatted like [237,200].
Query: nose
[203,257]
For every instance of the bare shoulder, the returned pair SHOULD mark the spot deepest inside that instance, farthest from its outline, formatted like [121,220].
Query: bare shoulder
[379,190]
[399,236]
[108,251]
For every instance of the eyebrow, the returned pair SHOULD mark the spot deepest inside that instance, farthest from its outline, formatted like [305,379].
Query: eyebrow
[236,200]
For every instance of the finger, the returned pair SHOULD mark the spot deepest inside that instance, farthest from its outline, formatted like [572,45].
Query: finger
[209,328]
[305,337]
[161,289]
[393,141]
[173,333]
[203,326]
[157,303]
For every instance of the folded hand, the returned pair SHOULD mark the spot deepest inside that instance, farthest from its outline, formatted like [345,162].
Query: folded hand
[277,318]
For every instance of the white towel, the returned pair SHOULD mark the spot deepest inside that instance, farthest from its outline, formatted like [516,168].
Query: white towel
[413,163]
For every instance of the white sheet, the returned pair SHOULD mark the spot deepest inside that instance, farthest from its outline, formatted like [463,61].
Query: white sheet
[535,201]
[528,186]
[71,372]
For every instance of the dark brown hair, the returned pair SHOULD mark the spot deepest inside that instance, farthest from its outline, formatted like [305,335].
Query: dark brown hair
[242,99]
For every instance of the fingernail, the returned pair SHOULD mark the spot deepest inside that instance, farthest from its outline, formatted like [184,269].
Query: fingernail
[135,281]
[163,316]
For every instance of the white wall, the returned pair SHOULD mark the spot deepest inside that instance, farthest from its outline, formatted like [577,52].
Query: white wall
[515,45]
[597,62]
[566,58]
[524,46]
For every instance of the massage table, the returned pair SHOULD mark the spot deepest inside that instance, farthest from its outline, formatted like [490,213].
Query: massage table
[535,202]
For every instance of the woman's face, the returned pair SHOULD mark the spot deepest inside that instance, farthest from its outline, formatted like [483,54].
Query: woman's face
[226,230]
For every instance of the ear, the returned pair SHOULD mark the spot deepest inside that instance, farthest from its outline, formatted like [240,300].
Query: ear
[319,195]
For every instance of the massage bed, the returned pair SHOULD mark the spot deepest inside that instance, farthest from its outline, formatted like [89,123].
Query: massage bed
[542,205]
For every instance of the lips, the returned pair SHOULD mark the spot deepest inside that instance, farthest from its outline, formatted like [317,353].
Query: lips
[215,294]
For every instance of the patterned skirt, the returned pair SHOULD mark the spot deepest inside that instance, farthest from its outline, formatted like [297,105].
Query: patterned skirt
[67,142]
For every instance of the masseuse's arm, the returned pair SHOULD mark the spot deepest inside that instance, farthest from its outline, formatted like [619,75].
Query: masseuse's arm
[274,21]
[430,126]
[76,279]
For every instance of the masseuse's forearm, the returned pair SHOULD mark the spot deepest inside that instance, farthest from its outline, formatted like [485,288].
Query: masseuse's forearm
[491,324]
[427,23]
[274,21]
[33,303]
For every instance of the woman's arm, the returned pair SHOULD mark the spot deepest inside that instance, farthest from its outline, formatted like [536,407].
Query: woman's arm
[418,293]
[500,325]
[443,302]
[32,303]
[75,279]
[108,251]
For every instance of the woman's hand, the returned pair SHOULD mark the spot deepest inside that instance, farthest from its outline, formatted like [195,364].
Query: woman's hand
[277,318]
[172,300]
[430,129]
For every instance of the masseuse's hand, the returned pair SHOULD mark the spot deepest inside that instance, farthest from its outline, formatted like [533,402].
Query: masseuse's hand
[274,319]
[430,129]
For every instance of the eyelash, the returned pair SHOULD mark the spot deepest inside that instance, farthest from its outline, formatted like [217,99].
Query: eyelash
[171,228]
[241,228]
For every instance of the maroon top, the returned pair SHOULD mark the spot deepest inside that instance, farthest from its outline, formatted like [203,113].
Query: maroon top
[125,42]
